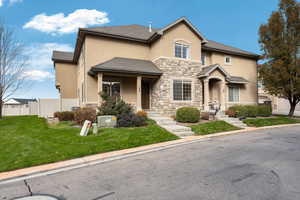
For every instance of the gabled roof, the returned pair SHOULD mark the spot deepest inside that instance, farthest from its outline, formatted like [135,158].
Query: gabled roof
[138,33]
[209,69]
[206,71]
[183,19]
[62,56]
[127,65]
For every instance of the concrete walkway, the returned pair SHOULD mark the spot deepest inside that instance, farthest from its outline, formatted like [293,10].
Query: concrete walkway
[170,125]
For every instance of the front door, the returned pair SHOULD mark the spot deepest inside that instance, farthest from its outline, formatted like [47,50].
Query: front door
[145,95]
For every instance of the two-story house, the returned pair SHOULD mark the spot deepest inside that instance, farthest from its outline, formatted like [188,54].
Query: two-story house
[155,69]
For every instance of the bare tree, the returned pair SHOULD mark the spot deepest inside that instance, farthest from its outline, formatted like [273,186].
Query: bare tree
[12,64]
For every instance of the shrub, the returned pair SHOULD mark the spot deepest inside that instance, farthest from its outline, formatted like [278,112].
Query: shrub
[123,112]
[82,114]
[264,111]
[130,120]
[251,110]
[188,114]
[141,113]
[230,113]
[64,116]
[240,111]
[205,115]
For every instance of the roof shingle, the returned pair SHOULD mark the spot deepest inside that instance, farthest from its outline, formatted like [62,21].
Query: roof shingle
[127,65]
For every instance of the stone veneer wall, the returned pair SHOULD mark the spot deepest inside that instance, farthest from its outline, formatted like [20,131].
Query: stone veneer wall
[161,92]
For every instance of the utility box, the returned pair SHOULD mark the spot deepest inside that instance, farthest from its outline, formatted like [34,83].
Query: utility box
[107,121]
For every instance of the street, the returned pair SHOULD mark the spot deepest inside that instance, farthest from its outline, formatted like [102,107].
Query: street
[261,165]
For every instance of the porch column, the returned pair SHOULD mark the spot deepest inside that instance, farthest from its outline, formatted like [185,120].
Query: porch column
[100,87]
[206,94]
[223,96]
[139,93]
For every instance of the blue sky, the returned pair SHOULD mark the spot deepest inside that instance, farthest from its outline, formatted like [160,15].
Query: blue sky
[44,25]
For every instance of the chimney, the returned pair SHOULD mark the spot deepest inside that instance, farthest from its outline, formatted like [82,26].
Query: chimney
[150,27]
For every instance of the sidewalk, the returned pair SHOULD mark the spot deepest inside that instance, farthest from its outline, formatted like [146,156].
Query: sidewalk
[46,169]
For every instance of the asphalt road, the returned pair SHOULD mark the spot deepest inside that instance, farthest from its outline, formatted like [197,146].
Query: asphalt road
[262,165]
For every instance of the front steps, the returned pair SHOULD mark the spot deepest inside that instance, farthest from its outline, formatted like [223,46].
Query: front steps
[230,120]
[170,125]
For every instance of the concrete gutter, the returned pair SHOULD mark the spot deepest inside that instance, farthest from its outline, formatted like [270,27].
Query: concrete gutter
[52,168]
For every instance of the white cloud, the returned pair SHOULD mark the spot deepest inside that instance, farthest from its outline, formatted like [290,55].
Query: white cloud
[11,2]
[40,65]
[37,75]
[61,24]
[40,54]
[1,3]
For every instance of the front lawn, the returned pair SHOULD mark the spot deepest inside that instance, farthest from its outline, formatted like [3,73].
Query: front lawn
[213,127]
[27,141]
[260,122]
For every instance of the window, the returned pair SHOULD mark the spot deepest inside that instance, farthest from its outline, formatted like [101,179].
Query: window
[227,60]
[182,90]
[181,50]
[203,58]
[111,88]
[234,94]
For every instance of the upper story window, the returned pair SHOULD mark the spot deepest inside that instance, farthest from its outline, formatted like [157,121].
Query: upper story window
[227,60]
[181,50]
[203,58]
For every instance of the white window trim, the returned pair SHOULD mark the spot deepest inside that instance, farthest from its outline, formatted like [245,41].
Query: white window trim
[227,63]
[182,42]
[234,102]
[171,88]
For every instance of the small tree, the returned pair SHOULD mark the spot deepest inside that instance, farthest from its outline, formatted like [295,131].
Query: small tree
[280,43]
[12,65]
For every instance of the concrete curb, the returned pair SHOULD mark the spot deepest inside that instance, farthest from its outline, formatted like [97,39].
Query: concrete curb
[52,168]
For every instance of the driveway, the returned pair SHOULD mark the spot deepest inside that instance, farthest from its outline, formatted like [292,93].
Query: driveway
[262,165]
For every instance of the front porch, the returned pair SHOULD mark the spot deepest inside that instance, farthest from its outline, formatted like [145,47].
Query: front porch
[220,89]
[131,79]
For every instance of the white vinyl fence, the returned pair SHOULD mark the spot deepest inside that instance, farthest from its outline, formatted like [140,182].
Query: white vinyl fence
[42,108]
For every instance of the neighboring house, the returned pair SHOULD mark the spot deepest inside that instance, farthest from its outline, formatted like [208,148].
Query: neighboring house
[16,106]
[279,105]
[155,69]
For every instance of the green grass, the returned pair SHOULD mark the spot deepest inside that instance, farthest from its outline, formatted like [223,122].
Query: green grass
[213,127]
[260,122]
[27,141]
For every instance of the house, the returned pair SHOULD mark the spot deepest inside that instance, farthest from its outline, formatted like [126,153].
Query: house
[279,105]
[155,69]
[17,106]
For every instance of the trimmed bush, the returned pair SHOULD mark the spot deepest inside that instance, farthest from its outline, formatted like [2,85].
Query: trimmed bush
[240,110]
[188,114]
[82,114]
[264,111]
[64,116]
[205,115]
[249,111]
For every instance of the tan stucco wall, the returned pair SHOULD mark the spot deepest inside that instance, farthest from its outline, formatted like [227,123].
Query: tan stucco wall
[66,77]
[99,50]
[244,67]
[165,46]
